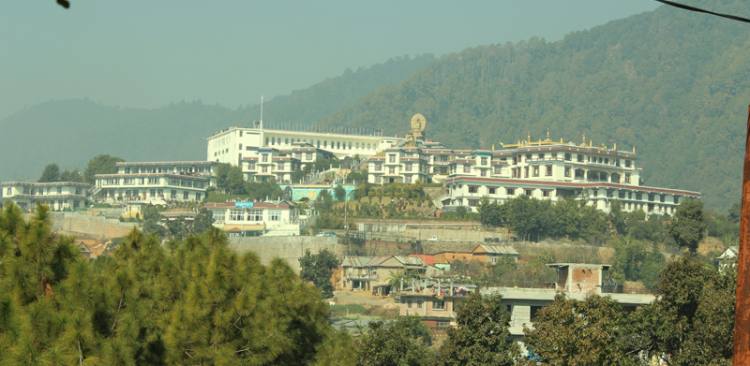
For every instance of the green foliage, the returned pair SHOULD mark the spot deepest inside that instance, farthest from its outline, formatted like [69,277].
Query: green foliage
[229,179]
[585,333]
[610,82]
[402,342]
[100,164]
[636,260]
[481,336]
[51,173]
[533,219]
[692,320]
[688,225]
[318,269]
[197,302]
[340,193]
[71,176]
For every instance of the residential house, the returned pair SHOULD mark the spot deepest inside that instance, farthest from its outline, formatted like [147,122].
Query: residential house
[376,273]
[256,218]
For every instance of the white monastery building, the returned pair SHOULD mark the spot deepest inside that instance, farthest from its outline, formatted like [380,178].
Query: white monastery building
[58,196]
[159,182]
[256,218]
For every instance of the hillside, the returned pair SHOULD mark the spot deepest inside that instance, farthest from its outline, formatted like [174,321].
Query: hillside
[70,132]
[670,82]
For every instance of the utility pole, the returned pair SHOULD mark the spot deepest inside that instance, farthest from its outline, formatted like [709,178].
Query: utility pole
[742,302]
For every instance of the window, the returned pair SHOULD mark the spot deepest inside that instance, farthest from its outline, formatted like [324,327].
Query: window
[185,195]
[264,169]
[255,215]
[545,193]
[541,156]
[378,167]
[251,165]
[492,190]
[567,171]
[483,160]
[534,313]
[579,157]
[438,305]
[483,172]
[473,189]
[407,179]
[548,170]
[525,172]
[308,156]
[567,156]
[627,163]
[391,158]
[510,191]
[676,199]
[274,215]
[627,177]
[236,215]
[264,158]
[467,168]
[408,167]
[536,171]
[419,304]
[529,192]
[391,170]
[498,170]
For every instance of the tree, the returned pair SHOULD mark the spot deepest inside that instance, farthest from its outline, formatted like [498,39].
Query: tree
[481,336]
[688,224]
[318,269]
[340,193]
[51,173]
[194,302]
[402,342]
[230,179]
[71,176]
[101,164]
[203,221]
[692,320]
[585,333]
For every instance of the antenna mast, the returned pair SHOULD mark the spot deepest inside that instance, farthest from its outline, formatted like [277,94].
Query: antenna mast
[261,112]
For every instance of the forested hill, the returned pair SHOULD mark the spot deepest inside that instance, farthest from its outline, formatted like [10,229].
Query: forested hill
[69,132]
[673,83]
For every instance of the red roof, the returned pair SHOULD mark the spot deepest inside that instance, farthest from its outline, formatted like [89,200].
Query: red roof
[426,258]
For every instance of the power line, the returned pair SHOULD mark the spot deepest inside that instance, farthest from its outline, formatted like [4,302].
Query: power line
[699,10]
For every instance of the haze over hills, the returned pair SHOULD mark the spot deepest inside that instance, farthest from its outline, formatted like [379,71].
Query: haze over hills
[69,132]
[672,83]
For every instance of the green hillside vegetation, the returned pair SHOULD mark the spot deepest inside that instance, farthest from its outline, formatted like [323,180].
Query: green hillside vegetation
[672,83]
[70,132]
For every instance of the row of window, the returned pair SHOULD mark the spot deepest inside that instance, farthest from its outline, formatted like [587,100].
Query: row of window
[581,158]
[136,194]
[255,215]
[43,190]
[338,145]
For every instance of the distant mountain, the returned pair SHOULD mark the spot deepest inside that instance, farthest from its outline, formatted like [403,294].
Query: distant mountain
[69,132]
[673,83]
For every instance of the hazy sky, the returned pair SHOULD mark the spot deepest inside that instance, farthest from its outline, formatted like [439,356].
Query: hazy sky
[149,53]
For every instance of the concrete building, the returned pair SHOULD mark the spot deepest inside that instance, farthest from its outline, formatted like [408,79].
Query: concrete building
[233,144]
[159,183]
[58,196]
[375,273]
[256,218]
[436,303]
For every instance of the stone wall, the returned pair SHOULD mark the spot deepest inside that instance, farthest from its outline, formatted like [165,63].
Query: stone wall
[88,226]
[288,248]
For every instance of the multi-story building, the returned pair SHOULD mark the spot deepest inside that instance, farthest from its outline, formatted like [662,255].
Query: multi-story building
[160,182]
[403,164]
[546,169]
[232,145]
[436,304]
[256,218]
[266,164]
[58,196]
[375,273]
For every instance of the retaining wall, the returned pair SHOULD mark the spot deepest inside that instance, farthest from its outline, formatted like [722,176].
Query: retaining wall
[288,248]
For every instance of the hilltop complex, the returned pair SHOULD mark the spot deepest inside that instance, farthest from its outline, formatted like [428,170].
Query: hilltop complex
[544,169]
